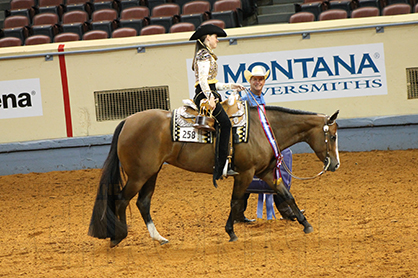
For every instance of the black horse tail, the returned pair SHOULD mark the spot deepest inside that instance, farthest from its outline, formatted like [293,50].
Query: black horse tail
[104,221]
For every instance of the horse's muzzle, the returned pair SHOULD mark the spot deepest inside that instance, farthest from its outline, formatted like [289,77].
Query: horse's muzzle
[328,165]
[333,169]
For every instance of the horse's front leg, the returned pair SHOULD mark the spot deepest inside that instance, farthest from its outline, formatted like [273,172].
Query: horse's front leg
[288,197]
[241,183]
[236,205]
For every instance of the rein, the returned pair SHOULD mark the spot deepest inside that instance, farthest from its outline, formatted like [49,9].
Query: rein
[327,160]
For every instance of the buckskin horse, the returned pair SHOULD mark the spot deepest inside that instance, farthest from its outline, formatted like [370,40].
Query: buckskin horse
[142,143]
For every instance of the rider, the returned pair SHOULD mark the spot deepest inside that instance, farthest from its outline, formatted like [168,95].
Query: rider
[206,68]
[257,78]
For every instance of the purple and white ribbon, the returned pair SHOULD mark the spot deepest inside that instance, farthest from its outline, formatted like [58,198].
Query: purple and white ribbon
[269,134]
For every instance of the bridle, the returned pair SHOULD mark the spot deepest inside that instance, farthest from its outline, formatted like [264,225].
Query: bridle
[327,160]
[325,129]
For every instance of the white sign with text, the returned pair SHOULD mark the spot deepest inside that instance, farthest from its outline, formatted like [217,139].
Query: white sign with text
[20,98]
[308,74]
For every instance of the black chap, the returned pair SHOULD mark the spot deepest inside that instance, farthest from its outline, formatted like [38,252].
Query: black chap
[224,128]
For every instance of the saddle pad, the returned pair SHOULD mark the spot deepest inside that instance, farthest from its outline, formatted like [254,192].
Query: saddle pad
[182,129]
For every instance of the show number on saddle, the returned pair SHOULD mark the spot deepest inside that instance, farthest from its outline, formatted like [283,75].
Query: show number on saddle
[191,125]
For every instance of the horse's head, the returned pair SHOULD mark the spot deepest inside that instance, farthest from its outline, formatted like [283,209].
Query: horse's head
[326,144]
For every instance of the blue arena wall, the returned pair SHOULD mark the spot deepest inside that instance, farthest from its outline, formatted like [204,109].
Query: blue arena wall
[355,135]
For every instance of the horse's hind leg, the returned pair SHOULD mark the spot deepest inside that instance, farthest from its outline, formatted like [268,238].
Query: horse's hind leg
[122,203]
[144,203]
[131,188]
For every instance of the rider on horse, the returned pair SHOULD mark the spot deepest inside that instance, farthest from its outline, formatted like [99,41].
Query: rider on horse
[206,68]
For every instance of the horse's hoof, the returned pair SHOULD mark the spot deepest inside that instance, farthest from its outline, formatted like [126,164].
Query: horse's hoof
[164,242]
[233,238]
[308,229]
[115,242]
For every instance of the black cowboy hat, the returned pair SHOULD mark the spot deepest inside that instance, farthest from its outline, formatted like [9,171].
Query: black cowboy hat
[207,29]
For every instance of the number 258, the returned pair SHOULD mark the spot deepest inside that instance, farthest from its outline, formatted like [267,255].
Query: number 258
[189,134]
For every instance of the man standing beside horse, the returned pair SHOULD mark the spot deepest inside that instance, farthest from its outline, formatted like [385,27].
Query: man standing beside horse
[257,78]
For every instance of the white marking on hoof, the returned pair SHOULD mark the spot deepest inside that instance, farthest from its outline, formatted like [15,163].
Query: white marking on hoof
[155,235]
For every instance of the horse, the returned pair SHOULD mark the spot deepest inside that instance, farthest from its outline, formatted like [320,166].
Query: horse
[142,143]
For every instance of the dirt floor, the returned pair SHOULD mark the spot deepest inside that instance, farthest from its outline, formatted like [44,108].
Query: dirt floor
[363,217]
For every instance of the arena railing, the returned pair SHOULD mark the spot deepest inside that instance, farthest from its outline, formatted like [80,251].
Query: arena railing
[232,40]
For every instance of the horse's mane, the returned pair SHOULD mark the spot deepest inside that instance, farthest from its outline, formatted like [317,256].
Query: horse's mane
[288,110]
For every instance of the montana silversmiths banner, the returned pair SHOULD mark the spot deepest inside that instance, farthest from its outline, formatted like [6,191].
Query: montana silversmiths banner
[308,74]
[20,98]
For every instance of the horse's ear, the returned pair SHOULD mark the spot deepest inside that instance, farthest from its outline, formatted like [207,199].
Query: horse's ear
[333,118]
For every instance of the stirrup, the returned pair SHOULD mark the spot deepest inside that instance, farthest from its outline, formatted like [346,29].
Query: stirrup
[226,173]
[231,173]
[203,122]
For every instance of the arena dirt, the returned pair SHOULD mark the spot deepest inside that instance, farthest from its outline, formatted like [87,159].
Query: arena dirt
[364,217]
